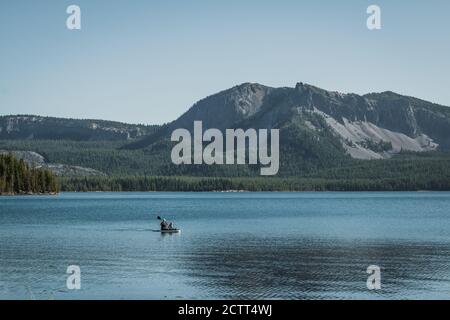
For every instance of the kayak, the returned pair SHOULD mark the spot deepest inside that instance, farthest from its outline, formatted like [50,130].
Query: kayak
[171,231]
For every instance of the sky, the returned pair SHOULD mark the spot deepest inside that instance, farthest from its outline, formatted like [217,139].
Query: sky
[149,61]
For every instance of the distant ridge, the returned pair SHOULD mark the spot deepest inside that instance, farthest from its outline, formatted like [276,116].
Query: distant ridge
[51,128]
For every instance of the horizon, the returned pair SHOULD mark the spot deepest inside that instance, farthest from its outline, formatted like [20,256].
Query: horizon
[148,62]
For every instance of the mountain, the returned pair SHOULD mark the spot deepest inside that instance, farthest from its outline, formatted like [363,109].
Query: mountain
[323,134]
[317,123]
[32,127]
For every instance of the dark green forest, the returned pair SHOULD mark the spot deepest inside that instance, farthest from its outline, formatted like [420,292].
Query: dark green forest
[16,177]
[197,184]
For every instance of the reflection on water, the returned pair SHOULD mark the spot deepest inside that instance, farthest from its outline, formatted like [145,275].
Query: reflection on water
[314,269]
[261,245]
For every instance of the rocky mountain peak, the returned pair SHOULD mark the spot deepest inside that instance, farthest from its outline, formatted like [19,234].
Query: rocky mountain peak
[372,126]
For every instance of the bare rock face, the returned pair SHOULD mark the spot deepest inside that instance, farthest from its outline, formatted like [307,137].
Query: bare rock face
[73,171]
[33,159]
[365,140]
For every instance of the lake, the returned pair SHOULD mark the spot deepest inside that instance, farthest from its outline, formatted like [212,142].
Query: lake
[232,245]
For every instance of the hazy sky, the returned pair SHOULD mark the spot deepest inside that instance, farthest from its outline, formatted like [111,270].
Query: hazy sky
[149,61]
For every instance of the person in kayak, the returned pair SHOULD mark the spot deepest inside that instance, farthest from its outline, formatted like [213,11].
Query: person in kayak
[165,225]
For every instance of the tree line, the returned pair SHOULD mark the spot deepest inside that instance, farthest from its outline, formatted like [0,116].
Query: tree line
[198,184]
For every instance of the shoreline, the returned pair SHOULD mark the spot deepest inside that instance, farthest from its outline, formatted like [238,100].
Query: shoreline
[243,191]
[29,194]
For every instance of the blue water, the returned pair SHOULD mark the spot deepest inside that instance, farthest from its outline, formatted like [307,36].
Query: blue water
[232,245]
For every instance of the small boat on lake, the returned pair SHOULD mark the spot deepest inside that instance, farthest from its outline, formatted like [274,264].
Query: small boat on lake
[171,231]
[167,227]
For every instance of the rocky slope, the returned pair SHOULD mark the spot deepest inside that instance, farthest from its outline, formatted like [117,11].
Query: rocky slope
[35,160]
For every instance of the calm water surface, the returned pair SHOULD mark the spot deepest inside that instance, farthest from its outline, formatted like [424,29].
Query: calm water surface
[233,245]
